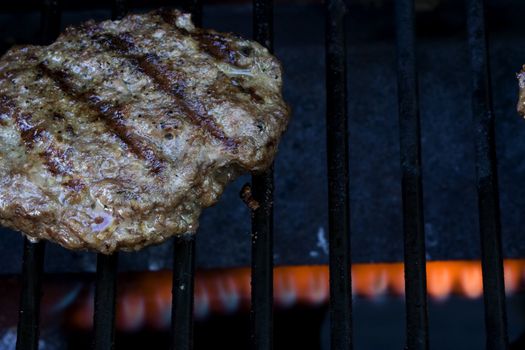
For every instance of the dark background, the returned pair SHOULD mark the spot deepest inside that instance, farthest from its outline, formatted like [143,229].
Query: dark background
[451,220]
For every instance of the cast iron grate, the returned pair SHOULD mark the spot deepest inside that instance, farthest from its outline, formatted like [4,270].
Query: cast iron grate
[338,206]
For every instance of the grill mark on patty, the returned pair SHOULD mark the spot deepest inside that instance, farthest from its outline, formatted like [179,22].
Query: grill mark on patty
[169,81]
[75,184]
[214,44]
[217,46]
[112,116]
[29,133]
[55,159]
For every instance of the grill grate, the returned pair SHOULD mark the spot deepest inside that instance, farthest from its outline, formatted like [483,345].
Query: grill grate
[105,293]
[338,185]
[183,278]
[261,311]
[119,9]
[410,148]
[488,201]
[33,260]
[28,322]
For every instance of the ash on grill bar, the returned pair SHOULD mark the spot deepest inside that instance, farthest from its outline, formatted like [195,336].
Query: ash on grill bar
[390,160]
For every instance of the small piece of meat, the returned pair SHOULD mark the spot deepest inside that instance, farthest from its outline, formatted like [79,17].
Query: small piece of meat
[116,136]
[521,101]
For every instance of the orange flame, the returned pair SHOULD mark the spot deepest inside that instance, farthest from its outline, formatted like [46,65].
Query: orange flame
[144,299]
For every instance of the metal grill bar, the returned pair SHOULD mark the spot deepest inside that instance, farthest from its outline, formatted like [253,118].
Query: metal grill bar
[184,258]
[105,294]
[487,181]
[29,315]
[107,266]
[195,8]
[119,9]
[33,263]
[50,26]
[79,5]
[262,219]
[338,182]
[183,282]
[410,145]
[262,263]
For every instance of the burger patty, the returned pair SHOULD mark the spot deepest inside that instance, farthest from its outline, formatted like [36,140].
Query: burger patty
[116,136]
[521,101]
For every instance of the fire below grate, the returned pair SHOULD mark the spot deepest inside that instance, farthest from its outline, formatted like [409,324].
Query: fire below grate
[339,235]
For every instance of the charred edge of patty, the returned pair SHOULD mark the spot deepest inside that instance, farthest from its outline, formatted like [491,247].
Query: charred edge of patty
[112,116]
[521,100]
[219,46]
[169,81]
